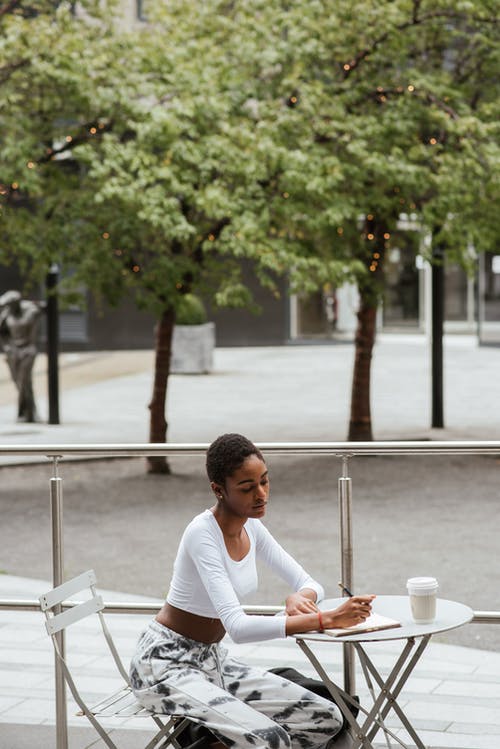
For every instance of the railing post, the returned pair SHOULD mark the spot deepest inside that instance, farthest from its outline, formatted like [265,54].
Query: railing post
[346,565]
[56,511]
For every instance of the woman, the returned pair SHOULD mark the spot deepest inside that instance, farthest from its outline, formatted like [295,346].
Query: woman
[180,668]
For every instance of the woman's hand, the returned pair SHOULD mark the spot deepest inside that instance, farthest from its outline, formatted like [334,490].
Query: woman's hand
[298,603]
[303,613]
[353,611]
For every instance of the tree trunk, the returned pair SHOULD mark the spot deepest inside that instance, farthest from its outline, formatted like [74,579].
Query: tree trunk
[377,238]
[158,423]
[360,425]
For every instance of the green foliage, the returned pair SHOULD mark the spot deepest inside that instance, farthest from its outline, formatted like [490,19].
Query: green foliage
[151,161]
[191,311]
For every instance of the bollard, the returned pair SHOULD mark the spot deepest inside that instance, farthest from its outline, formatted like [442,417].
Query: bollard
[346,563]
[56,505]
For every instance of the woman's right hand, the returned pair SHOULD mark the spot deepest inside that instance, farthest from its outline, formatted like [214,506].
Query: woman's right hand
[353,611]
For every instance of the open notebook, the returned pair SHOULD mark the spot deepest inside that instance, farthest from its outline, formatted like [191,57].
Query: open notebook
[372,624]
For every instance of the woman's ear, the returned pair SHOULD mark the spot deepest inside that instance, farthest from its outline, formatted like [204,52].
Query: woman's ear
[217,489]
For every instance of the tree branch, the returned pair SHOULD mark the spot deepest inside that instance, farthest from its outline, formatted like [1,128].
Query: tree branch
[415,20]
[381,95]
[212,234]
[6,71]
[433,99]
[52,153]
[8,7]
[416,8]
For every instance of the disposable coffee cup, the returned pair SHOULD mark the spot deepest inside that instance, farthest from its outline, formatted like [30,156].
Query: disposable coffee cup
[422,592]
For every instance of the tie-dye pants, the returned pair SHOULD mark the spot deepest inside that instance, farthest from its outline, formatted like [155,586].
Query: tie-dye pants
[245,707]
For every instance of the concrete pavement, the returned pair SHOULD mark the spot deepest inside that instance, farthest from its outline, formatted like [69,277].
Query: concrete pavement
[291,393]
[452,699]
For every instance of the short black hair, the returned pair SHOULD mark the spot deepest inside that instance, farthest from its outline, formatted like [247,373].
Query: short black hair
[226,454]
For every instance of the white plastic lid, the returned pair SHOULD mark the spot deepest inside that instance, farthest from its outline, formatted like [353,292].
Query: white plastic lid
[422,583]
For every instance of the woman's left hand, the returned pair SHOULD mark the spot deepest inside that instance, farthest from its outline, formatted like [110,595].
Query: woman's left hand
[298,603]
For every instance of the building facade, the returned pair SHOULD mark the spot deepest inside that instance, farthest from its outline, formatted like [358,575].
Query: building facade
[472,306]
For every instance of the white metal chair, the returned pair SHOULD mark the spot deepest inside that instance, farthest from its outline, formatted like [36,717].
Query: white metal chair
[122,703]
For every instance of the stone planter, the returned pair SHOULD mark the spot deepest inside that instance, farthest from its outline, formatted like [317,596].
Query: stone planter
[192,349]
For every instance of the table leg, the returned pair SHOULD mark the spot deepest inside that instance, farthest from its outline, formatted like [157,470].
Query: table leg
[363,734]
[392,692]
[343,700]
[366,674]
[372,723]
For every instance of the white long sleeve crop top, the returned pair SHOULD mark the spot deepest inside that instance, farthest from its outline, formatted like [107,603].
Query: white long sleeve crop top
[207,582]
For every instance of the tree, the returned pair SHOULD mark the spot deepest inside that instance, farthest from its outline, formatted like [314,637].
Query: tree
[133,166]
[380,109]
[293,135]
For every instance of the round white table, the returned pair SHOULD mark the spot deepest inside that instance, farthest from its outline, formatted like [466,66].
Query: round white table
[414,639]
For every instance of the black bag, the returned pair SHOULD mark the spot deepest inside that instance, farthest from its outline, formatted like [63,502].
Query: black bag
[196,736]
[313,685]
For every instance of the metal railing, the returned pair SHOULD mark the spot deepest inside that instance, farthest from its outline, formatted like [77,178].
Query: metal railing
[342,450]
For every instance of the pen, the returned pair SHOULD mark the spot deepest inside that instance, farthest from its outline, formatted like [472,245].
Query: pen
[346,590]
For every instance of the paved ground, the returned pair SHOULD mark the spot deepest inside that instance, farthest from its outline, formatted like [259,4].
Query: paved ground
[452,699]
[413,515]
[126,524]
[272,393]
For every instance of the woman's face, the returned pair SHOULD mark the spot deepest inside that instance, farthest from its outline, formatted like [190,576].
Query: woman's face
[246,492]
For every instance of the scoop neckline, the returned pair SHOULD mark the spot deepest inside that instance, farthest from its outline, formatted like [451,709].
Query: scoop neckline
[219,529]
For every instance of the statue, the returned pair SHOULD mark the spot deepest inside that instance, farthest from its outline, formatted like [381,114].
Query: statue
[18,329]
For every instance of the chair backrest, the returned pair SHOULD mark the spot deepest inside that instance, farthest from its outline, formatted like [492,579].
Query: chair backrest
[50,602]
[60,612]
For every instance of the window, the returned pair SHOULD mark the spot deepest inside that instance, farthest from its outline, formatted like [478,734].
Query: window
[141,10]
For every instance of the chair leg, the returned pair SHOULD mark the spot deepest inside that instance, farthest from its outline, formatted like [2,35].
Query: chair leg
[168,733]
[100,730]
